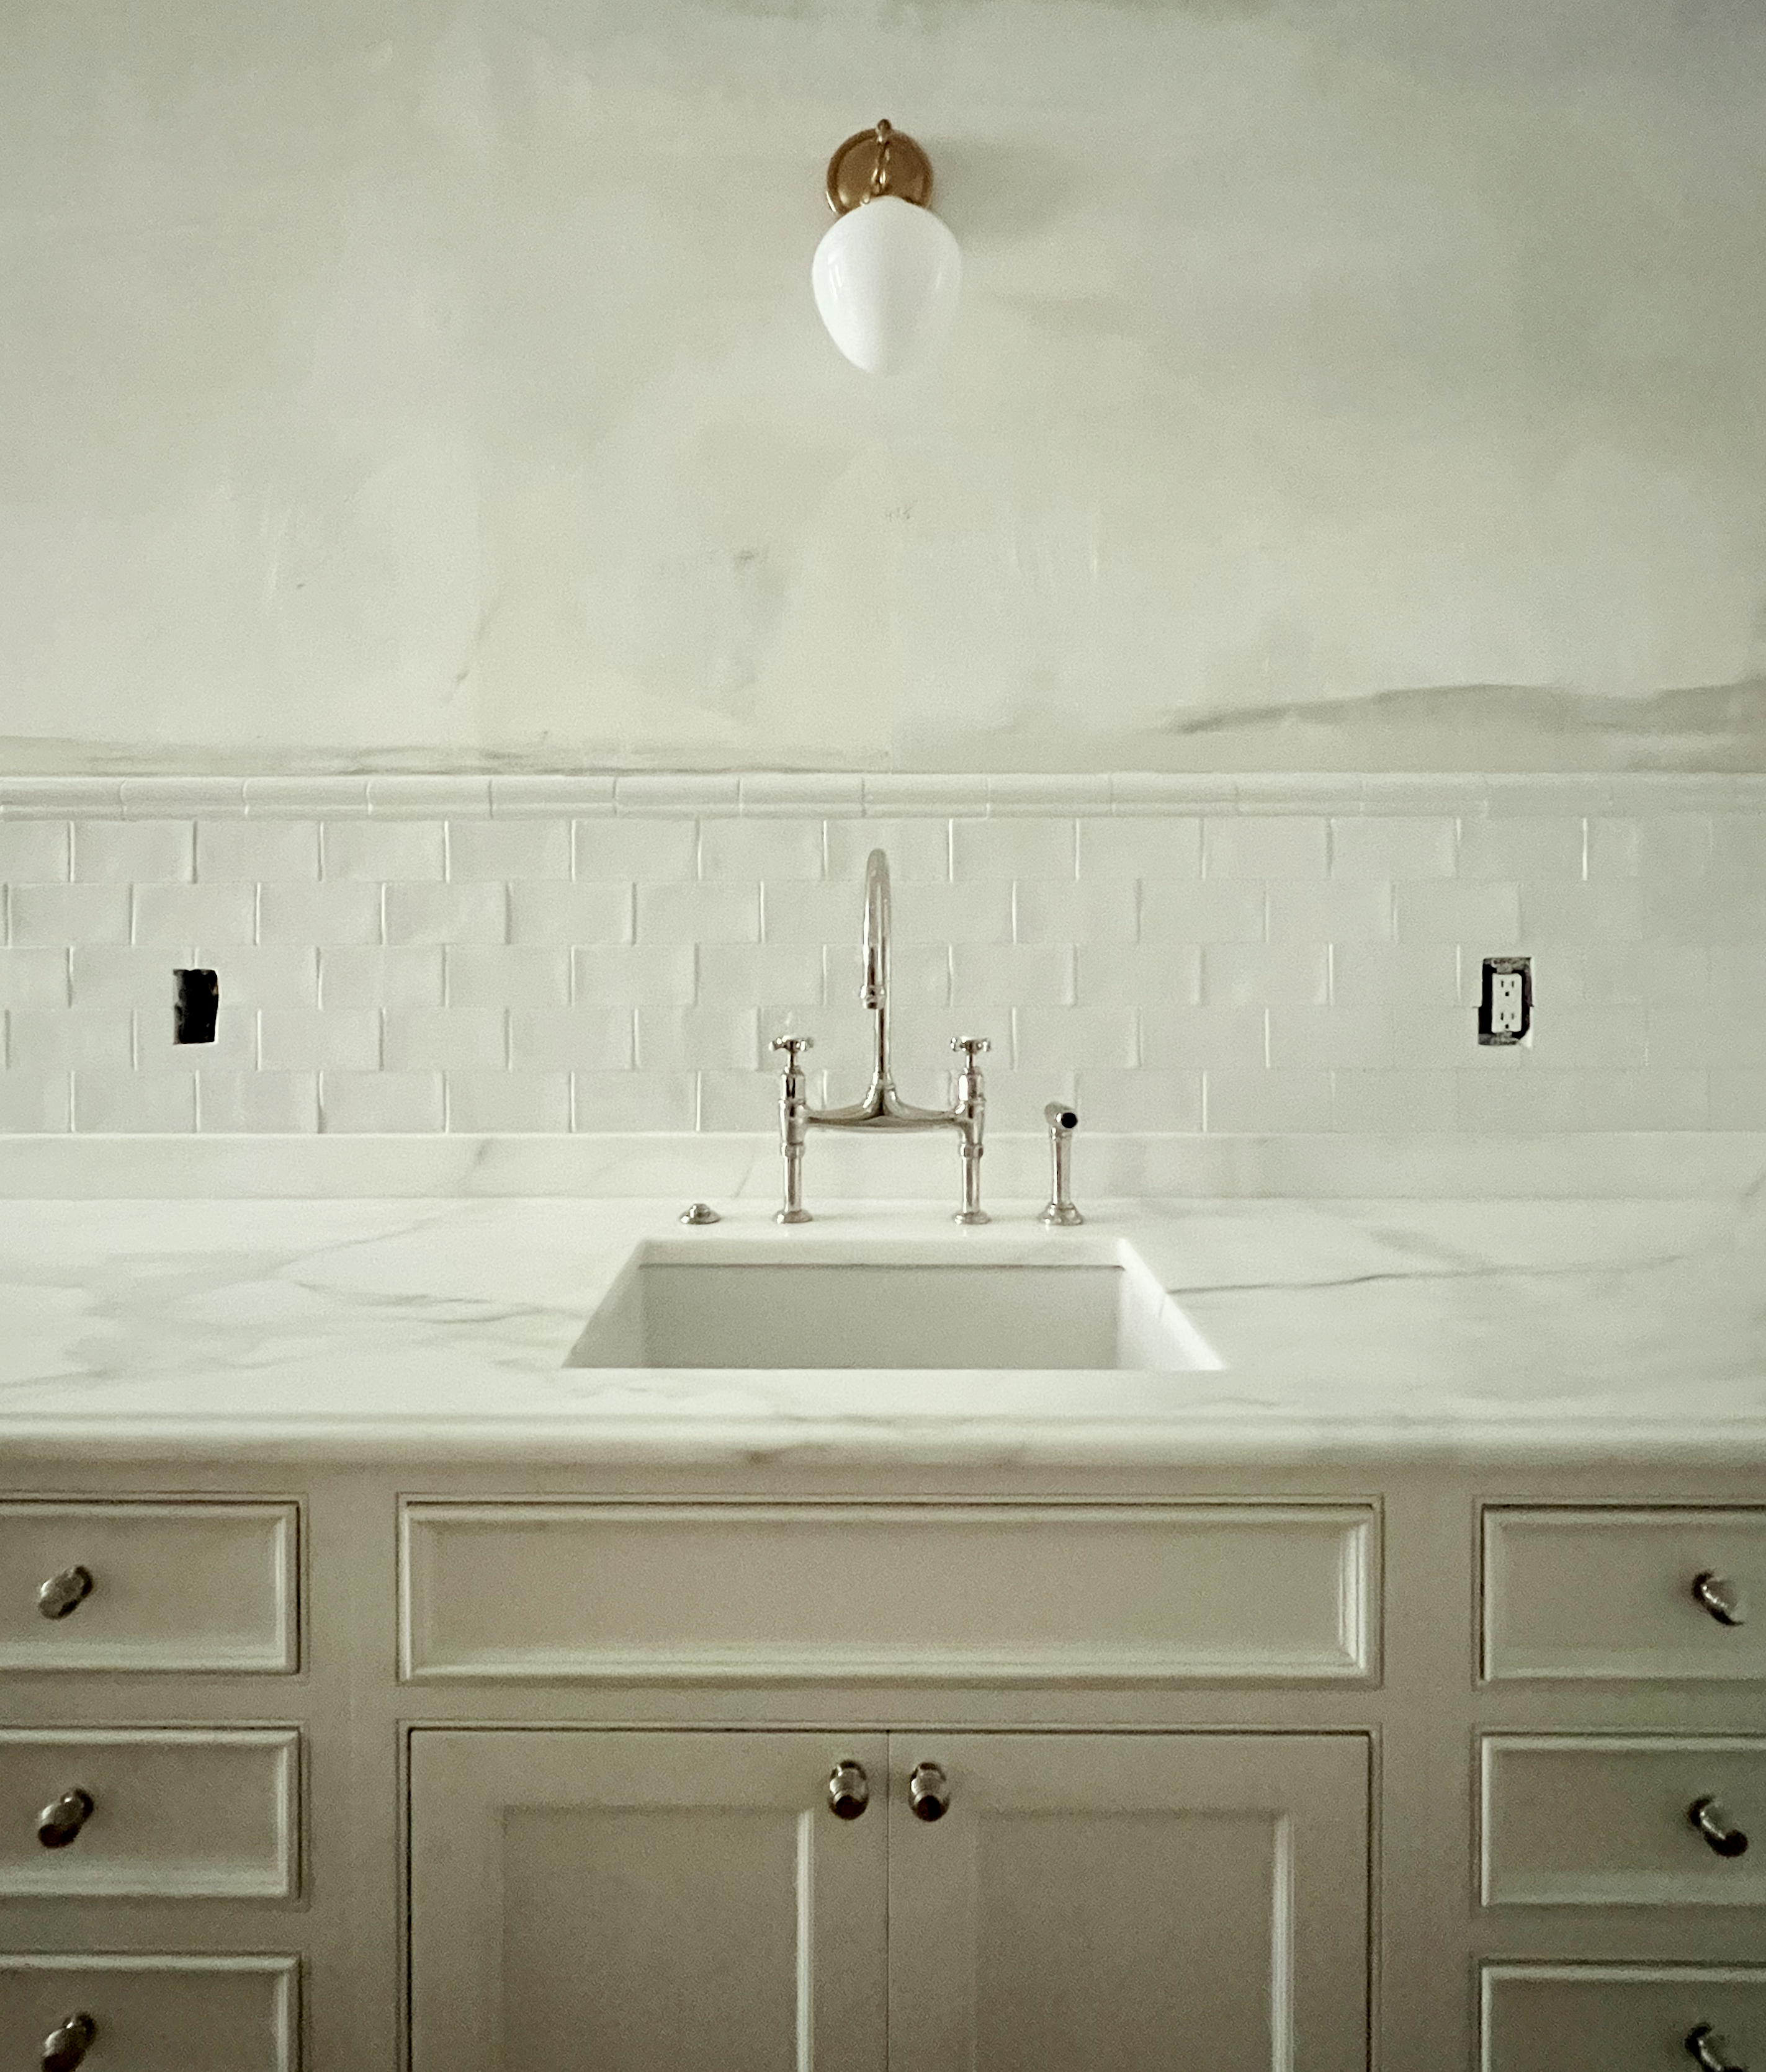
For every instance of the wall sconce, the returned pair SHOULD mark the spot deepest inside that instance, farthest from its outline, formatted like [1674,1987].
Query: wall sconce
[887,274]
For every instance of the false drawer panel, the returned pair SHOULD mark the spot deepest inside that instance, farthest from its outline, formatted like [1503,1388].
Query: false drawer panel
[160,1813]
[150,2013]
[148,1585]
[938,1593]
[1622,2018]
[1632,1821]
[1589,1594]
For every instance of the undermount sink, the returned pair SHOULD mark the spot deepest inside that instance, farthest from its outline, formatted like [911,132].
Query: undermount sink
[741,1305]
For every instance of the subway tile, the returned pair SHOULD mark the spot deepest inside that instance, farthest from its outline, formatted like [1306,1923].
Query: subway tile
[1175,1037]
[644,852]
[1075,1038]
[1607,910]
[1027,848]
[508,851]
[1604,974]
[1521,850]
[1672,845]
[257,1104]
[638,1101]
[261,974]
[1172,911]
[1257,1103]
[36,1103]
[234,1047]
[698,913]
[1266,974]
[1011,974]
[1711,911]
[433,913]
[503,975]
[919,851]
[54,915]
[745,1101]
[118,975]
[1515,1100]
[133,1103]
[69,1039]
[1097,910]
[1355,911]
[1129,974]
[1392,846]
[497,1104]
[1737,971]
[1738,848]
[748,974]
[1646,1100]
[34,978]
[741,850]
[34,852]
[1695,1033]
[1372,974]
[1435,1038]
[133,851]
[1017,1104]
[1358,1039]
[1265,845]
[1152,847]
[563,915]
[302,1039]
[1116,1102]
[375,1104]
[420,1039]
[1738,1100]
[918,974]
[634,975]
[1391,1102]
[979,912]
[412,975]
[567,1038]
[796,913]
[1572,1036]
[254,852]
[383,850]
[319,914]
[174,914]
[671,1039]
[1485,917]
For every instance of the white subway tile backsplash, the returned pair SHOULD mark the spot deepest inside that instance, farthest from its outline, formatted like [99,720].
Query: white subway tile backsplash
[1485,917]
[1129,1102]
[919,851]
[234,1047]
[34,978]
[254,1103]
[561,915]
[36,1103]
[1609,911]
[1266,974]
[492,1104]
[551,1039]
[34,852]
[1265,1103]
[1112,849]
[507,851]
[174,914]
[1359,1038]
[307,1039]
[1391,1103]
[503,975]
[323,914]
[367,975]
[1330,911]
[1386,847]
[1009,848]
[1191,1037]
[660,852]
[762,848]
[382,849]
[424,913]
[1069,1039]
[637,1100]
[134,852]
[1126,974]
[698,913]
[260,974]
[634,975]
[1521,848]
[779,974]
[135,1103]
[977,912]
[1172,911]
[1099,910]
[255,851]
[373,1104]
[1738,1100]
[674,1039]
[1011,974]
[1419,974]
[1737,972]
[418,1039]
[734,1101]
[69,1039]
[1646,1100]
[116,975]
[52,916]
[1278,846]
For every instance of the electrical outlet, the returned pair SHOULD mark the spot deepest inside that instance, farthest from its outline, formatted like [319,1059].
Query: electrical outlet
[1505,1008]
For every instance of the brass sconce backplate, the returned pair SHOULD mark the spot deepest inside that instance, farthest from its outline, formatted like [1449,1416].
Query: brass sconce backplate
[879,161]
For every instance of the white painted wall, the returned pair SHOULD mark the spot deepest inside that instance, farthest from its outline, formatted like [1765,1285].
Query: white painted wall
[385,382]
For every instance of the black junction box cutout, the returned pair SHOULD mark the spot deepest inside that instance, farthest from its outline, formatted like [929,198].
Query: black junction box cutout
[198,1001]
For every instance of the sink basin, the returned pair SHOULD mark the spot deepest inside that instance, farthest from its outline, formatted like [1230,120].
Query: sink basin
[736,1305]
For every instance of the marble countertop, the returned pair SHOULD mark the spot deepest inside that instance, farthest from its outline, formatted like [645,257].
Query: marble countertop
[436,1329]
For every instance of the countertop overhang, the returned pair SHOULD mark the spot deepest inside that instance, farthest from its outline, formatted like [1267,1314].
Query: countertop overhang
[437,1330]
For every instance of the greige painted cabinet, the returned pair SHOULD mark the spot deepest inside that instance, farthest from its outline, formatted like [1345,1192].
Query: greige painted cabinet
[691,1902]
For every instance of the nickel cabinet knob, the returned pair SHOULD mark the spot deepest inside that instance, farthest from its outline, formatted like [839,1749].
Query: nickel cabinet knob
[59,1822]
[1708,1816]
[849,1790]
[65,1593]
[928,1792]
[1707,2048]
[1720,1597]
[66,2047]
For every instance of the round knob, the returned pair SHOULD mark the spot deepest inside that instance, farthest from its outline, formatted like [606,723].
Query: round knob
[849,1790]
[59,1822]
[1706,2048]
[969,1048]
[62,1593]
[66,2047]
[1720,1597]
[1708,1816]
[928,1792]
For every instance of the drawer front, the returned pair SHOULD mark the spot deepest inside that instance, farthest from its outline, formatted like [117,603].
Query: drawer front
[1616,1594]
[187,1813]
[172,1586]
[1621,2018]
[1576,1822]
[155,2014]
[953,1594]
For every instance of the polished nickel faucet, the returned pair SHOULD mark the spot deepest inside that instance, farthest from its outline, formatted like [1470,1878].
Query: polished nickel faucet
[881,1107]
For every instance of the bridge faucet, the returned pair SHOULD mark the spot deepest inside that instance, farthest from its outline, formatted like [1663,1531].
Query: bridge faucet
[881,1107]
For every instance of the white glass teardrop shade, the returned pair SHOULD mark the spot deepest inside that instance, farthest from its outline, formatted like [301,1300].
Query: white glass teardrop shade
[886,278]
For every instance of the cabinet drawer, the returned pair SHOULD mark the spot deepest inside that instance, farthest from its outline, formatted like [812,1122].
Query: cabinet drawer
[946,1593]
[172,1586]
[187,1813]
[155,2014]
[1621,2018]
[1578,1822]
[1606,1594]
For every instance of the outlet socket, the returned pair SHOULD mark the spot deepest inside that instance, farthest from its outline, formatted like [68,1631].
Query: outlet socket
[1505,1004]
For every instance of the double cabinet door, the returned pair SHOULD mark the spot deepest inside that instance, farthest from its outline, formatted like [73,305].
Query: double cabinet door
[663,1901]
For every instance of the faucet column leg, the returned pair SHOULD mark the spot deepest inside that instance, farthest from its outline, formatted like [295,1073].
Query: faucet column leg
[970,1110]
[794,1126]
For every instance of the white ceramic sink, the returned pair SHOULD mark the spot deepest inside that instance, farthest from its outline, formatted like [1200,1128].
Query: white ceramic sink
[742,1304]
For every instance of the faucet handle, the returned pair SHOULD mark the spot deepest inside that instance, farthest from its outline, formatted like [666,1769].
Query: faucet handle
[793,1046]
[971,1048]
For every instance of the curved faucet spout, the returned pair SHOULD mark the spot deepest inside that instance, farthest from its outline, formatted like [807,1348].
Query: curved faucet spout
[875,990]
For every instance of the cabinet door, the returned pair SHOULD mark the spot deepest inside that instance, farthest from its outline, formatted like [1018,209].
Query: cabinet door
[606,1902]
[1151,1903]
